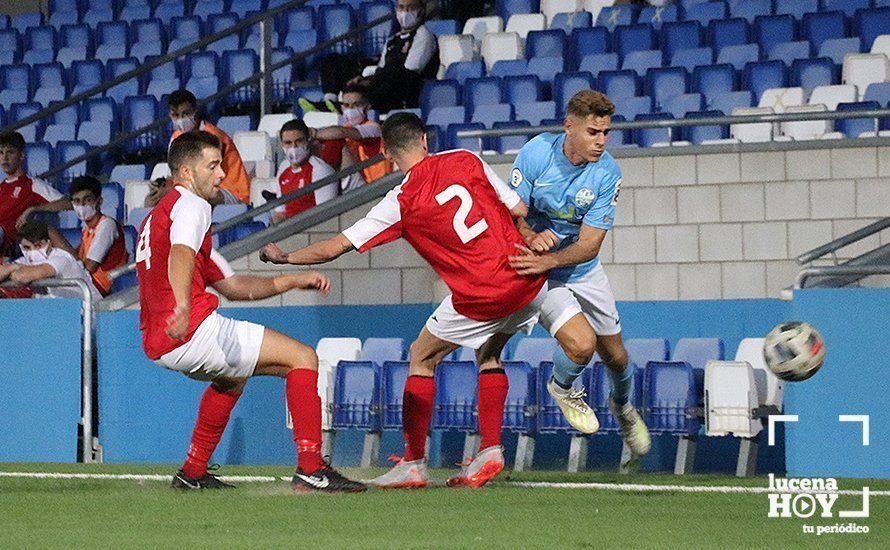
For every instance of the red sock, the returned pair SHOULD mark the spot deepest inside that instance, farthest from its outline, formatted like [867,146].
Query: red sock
[304,404]
[493,386]
[213,415]
[417,410]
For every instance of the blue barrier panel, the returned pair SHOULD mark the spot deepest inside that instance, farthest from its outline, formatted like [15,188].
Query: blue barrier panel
[855,324]
[40,408]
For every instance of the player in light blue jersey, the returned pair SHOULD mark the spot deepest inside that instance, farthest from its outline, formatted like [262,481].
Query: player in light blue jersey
[571,186]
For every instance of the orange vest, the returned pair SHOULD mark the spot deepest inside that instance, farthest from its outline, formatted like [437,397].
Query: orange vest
[116,257]
[236,179]
[364,149]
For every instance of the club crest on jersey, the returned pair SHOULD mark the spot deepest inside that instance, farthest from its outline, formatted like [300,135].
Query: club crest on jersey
[584,197]
[516,177]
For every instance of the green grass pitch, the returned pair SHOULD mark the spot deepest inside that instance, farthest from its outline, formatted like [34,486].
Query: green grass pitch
[74,513]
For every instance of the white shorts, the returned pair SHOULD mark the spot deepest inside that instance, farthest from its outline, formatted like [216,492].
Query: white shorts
[447,324]
[220,347]
[590,295]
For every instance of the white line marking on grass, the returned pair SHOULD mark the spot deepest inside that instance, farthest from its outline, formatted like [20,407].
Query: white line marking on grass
[635,487]
[130,477]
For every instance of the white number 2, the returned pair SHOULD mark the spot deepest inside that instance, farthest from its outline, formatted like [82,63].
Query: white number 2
[143,249]
[465,233]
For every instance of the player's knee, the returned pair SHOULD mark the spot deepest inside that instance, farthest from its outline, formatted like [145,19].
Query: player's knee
[615,359]
[580,348]
[303,357]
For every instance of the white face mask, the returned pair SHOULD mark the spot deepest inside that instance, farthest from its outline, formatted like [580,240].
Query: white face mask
[296,155]
[84,211]
[407,19]
[353,116]
[184,125]
[36,256]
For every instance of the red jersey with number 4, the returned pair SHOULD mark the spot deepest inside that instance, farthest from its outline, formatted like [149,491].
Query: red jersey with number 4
[181,217]
[454,210]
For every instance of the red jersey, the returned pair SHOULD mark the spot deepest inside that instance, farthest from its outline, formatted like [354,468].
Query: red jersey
[16,196]
[310,171]
[181,217]
[454,210]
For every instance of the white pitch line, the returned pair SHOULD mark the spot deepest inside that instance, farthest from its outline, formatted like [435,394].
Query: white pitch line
[634,487]
[130,477]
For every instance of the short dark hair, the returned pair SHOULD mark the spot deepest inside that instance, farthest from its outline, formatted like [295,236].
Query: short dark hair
[12,139]
[402,130]
[355,89]
[34,231]
[296,125]
[85,183]
[182,96]
[188,147]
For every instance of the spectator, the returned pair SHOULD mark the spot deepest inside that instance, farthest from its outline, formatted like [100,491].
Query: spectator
[184,115]
[361,138]
[20,194]
[304,168]
[408,57]
[41,260]
[102,246]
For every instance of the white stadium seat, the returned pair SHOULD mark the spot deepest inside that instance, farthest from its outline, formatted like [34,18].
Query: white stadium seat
[770,390]
[596,6]
[253,146]
[551,7]
[730,398]
[524,23]
[454,48]
[478,27]
[317,119]
[830,96]
[779,99]
[258,185]
[862,69]
[135,192]
[752,133]
[501,46]
[330,352]
[803,130]
[160,170]
[881,45]
[272,123]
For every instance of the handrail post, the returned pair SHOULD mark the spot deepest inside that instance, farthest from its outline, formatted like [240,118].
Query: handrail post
[86,390]
[266,29]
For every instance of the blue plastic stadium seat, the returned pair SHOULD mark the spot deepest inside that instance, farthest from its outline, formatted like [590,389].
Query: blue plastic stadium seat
[128,88]
[849,7]
[612,16]
[16,77]
[669,392]
[750,9]
[535,112]
[509,67]
[357,395]
[705,12]
[184,31]
[520,408]
[96,134]
[442,27]
[567,22]
[125,281]
[136,216]
[521,89]
[600,389]
[440,93]
[583,42]
[822,26]
[240,231]
[534,351]
[207,8]
[679,105]
[811,73]
[665,83]
[739,56]
[619,84]
[393,376]
[462,70]
[39,157]
[455,396]
[25,20]
[113,200]
[66,115]
[510,144]
[869,24]
[482,91]
[549,43]
[237,66]
[698,134]
[728,101]
[550,418]
[69,150]
[642,61]
[728,32]
[788,52]
[77,35]
[374,38]
[101,109]
[642,350]
[10,45]
[474,144]
[380,350]
[630,38]
[135,10]
[647,137]
[139,111]
[692,58]
[680,36]
[837,48]
[234,123]
[774,29]
[223,212]
[301,18]
[568,84]
[697,352]
[546,68]
[763,75]
[852,127]
[334,21]
[630,107]
[506,8]
[41,38]
[598,62]
[168,10]
[487,115]
[797,8]
[878,92]
[127,172]
[620,138]
[657,16]
[73,235]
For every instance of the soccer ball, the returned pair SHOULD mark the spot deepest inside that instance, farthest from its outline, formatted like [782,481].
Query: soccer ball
[794,351]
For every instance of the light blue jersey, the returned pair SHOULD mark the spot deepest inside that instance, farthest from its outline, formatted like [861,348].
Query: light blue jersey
[562,196]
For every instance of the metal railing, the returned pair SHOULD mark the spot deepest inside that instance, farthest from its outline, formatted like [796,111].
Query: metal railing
[858,271]
[264,76]
[873,262]
[90,442]
[840,242]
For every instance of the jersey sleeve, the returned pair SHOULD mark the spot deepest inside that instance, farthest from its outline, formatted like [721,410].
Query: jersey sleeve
[383,224]
[508,196]
[217,269]
[422,50]
[321,170]
[602,212]
[369,131]
[48,192]
[526,169]
[281,207]
[190,221]
[104,237]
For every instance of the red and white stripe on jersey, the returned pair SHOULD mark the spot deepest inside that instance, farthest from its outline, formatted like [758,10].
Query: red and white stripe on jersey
[454,210]
[217,268]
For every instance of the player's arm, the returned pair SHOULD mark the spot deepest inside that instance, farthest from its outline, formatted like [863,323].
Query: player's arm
[336,132]
[317,253]
[58,241]
[26,274]
[250,287]
[7,269]
[586,248]
[55,202]
[181,271]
